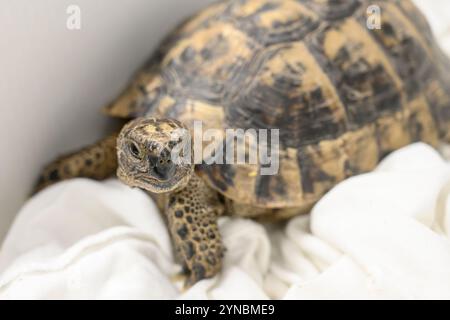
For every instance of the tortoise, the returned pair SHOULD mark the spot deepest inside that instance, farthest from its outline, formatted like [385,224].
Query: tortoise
[341,94]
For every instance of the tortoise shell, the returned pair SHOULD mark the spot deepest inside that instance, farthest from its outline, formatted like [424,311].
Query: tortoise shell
[342,96]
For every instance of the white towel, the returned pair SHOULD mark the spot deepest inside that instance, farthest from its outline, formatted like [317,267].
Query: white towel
[378,235]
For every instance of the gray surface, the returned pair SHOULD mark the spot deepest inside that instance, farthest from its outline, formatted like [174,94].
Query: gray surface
[53,81]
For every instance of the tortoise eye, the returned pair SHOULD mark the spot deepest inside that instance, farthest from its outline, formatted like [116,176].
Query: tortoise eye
[135,151]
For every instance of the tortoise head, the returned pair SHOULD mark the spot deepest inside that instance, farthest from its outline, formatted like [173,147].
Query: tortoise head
[155,155]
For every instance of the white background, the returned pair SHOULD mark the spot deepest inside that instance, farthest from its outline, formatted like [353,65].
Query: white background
[53,81]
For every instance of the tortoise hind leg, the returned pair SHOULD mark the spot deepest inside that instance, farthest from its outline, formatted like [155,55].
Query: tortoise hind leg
[97,161]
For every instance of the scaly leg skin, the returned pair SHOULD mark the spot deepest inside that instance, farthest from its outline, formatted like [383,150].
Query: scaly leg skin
[98,161]
[192,216]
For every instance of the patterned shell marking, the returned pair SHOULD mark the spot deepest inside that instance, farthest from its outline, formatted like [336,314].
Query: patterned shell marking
[342,96]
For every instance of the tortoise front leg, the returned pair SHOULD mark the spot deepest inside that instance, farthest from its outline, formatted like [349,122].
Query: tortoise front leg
[192,216]
[98,161]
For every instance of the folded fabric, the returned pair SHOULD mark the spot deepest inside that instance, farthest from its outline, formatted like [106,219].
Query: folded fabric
[380,235]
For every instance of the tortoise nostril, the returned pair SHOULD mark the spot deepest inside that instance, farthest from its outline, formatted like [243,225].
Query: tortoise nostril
[161,166]
[164,171]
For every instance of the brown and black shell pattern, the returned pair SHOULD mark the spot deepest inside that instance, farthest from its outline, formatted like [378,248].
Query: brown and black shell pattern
[342,96]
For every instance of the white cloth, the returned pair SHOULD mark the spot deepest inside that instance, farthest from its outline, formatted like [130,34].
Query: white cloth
[378,235]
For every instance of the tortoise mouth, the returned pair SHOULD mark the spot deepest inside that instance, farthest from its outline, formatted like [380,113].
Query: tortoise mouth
[152,180]
[156,185]
[153,184]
